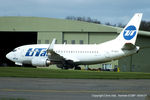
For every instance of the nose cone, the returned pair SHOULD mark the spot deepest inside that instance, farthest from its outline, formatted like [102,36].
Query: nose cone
[9,56]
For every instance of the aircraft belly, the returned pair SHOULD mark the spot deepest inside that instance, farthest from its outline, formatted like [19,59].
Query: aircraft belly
[91,60]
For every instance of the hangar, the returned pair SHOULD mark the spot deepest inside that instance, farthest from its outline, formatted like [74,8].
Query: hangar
[17,31]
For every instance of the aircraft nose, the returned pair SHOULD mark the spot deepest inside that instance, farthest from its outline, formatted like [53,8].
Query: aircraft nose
[9,56]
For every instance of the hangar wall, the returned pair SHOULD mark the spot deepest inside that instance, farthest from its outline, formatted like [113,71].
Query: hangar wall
[76,37]
[101,37]
[47,37]
[138,62]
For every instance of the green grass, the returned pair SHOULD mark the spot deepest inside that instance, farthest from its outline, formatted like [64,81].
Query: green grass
[68,74]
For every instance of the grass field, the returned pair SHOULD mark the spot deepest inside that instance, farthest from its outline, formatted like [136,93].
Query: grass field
[68,74]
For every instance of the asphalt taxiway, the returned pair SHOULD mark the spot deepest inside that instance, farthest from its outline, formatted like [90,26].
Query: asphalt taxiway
[74,89]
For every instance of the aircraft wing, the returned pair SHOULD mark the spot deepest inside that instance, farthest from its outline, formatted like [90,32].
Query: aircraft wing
[53,56]
[128,46]
[71,58]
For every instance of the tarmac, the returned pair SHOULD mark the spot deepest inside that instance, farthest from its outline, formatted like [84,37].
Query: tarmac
[74,89]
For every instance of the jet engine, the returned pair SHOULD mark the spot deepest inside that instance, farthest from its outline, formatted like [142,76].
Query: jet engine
[41,62]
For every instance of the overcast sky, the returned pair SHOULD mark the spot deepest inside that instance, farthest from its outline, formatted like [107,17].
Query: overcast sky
[113,11]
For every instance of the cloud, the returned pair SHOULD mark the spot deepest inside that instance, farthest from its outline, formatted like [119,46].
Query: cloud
[114,11]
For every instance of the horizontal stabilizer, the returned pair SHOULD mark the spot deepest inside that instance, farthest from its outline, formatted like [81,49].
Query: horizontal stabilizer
[128,46]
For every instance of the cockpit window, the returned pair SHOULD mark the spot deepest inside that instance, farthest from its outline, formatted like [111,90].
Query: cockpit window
[15,49]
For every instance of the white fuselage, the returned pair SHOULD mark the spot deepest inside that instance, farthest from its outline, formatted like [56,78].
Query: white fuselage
[81,54]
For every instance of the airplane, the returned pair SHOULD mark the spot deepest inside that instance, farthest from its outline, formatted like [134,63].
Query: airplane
[67,56]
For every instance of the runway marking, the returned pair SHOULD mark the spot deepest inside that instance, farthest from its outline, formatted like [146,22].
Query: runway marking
[75,91]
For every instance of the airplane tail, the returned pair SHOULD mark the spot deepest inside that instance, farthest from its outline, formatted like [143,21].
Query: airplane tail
[129,34]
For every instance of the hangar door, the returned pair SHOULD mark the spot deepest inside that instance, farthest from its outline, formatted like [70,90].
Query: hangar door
[11,40]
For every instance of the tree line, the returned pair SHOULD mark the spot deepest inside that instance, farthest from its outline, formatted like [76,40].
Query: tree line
[84,19]
[145,25]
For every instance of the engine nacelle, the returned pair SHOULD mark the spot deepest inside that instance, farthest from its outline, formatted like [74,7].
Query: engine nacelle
[41,62]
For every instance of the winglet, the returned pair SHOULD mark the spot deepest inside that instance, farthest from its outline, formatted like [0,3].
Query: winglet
[51,46]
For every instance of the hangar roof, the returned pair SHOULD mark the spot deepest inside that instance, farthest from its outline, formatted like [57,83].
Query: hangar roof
[36,24]
[49,24]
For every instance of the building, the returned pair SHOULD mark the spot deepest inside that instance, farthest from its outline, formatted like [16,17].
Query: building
[16,31]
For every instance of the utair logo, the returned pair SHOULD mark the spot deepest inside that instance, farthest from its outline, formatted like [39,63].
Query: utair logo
[129,32]
[36,52]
